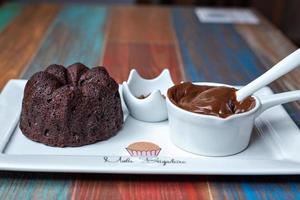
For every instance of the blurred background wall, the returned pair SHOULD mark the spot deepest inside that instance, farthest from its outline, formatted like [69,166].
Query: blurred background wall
[284,14]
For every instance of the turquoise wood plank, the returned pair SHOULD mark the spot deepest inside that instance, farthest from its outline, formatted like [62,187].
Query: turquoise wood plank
[8,12]
[27,186]
[75,36]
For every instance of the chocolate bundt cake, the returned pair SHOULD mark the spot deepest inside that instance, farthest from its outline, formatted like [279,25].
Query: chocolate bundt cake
[71,106]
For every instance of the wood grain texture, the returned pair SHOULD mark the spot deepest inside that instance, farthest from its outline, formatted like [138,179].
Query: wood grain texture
[149,60]
[141,187]
[140,25]
[76,35]
[141,38]
[28,186]
[21,38]
[255,187]
[214,52]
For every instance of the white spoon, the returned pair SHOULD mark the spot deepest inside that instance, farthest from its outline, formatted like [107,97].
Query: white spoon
[281,68]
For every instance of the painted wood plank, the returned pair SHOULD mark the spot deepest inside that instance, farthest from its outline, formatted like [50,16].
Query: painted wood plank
[76,35]
[140,187]
[8,12]
[20,39]
[213,52]
[255,187]
[141,38]
[148,59]
[27,186]
[140,25]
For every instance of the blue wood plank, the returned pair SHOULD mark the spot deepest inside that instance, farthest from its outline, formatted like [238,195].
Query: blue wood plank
[75,36]
[214,52]
[255,187]
[271,190]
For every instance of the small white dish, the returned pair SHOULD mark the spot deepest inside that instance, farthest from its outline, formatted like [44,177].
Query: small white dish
[152,107]
[209,135]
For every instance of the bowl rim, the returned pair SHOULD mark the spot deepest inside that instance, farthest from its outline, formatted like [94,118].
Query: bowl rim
[202,116]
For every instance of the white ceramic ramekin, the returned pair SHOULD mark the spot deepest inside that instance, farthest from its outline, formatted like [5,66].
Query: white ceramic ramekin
[214,136]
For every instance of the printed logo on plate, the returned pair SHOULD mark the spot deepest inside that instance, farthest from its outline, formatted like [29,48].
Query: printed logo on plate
[143,149]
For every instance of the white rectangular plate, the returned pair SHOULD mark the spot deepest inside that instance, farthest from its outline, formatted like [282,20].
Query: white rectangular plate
[273,149]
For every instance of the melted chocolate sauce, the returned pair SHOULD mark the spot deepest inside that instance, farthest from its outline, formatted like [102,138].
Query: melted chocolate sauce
[143,96]
[209,100]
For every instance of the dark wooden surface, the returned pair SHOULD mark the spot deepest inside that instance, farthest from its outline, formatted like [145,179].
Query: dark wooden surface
[149,39]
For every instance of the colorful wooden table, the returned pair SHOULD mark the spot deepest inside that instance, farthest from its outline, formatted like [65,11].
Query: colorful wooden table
[149,39]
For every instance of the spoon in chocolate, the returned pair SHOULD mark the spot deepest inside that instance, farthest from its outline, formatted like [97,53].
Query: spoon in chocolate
[281,68]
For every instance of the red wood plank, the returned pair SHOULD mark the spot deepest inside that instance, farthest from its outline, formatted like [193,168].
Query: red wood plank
[141,187]
[148,59]
[140,25]
[141,38]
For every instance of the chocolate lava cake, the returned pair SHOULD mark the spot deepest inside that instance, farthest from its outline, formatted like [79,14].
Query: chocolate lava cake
[71,106]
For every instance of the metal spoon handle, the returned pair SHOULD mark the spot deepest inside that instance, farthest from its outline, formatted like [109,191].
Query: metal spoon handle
[281,68]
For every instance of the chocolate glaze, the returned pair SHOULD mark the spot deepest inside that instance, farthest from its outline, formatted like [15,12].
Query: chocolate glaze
[209,100]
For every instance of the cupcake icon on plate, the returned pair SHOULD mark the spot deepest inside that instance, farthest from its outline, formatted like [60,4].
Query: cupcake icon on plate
[143,149]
